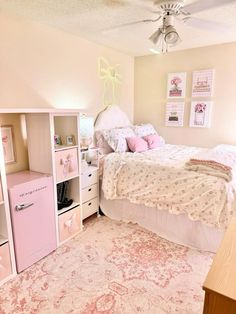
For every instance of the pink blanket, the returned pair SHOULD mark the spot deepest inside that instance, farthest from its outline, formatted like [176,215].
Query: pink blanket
[219,161]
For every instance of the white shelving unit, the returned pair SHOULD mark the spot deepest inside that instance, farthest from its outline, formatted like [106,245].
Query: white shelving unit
[7,261]
[62,162]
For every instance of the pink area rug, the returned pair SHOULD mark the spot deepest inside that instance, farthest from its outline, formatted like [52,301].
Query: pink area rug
[111,268]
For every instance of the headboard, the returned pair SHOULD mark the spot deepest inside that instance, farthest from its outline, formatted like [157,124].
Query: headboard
[111,117]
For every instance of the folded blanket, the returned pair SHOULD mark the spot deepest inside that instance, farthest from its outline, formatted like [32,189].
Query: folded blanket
[219,162]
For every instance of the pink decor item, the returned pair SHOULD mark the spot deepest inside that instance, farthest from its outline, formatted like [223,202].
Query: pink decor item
[153,141]
[137,144]
[110,268]
[66,164]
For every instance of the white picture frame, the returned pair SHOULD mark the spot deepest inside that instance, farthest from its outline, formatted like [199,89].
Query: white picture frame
[176,85]
[203,83]
[200,115]
[8,144]
[175,114]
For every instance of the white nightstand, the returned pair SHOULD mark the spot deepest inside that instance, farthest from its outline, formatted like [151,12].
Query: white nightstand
[90,182]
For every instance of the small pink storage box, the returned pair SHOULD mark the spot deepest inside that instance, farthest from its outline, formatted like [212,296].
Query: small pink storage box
[66,164]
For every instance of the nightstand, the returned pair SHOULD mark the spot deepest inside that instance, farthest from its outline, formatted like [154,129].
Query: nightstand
[90,182]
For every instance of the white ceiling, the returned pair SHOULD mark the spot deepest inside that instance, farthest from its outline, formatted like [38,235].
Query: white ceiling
[92,19]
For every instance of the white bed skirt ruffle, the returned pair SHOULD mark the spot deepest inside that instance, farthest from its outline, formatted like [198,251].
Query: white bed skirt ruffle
[176,228]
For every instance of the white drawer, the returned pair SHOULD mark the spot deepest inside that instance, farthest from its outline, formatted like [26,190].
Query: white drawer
[89,178]
[89,193]
[89,208]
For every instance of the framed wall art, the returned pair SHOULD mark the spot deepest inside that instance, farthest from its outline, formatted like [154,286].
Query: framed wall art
[176,85]
[8,144]
[175,114]
[200,116]
[202,85]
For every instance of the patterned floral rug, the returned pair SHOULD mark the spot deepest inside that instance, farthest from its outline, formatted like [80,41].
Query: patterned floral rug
[111,268]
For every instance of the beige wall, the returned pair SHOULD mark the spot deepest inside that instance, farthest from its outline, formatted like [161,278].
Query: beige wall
[41,67]
[44,67]
[150,93]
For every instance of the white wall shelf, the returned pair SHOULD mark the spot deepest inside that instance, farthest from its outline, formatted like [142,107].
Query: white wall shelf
[66,209]
[3,240]
[64,147]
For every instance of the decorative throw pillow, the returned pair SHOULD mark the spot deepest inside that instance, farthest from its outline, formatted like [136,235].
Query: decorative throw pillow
[116,138]
[154,141]
[105,148]
[137,144]
[144,129]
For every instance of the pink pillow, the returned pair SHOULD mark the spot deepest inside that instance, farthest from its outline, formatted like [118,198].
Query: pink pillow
[137,144]
[153,141]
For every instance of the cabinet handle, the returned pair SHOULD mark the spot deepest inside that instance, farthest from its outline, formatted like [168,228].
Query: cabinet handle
[90,175]
[89,190]
[23,206]
[89,204]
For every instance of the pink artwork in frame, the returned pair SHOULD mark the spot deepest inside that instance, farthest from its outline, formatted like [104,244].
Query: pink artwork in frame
[8,144]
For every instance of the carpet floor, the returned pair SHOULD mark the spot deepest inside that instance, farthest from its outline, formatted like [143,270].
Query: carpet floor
[111,268]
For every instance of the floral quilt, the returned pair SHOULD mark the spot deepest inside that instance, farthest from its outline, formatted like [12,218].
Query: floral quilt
[158,178]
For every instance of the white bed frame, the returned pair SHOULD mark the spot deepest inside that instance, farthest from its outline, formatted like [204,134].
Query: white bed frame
[176,228]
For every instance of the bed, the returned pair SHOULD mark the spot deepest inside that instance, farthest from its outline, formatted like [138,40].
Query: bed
[153,190]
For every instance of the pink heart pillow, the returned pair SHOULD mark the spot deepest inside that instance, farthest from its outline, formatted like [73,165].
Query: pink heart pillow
[153,141]
[137,144]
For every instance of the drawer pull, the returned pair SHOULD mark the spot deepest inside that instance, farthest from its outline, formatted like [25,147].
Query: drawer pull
[89,190]
[90,175]
[89,204]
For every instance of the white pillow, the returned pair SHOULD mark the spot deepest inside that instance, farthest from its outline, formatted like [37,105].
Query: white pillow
[144,129]
[116,138]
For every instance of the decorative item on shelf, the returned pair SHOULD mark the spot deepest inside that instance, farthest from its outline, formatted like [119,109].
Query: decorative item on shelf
[8,144]
[68,164]
[70,140]
[86,131]
[62,191]
[57,140]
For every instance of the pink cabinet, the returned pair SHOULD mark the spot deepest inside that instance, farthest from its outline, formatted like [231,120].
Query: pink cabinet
[69,224]
[32,215]
[5,261]
[66,164]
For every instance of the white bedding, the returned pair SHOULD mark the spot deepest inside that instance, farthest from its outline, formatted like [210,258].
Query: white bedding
[158,179]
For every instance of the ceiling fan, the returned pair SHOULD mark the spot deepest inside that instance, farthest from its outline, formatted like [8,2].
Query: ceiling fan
[169,10]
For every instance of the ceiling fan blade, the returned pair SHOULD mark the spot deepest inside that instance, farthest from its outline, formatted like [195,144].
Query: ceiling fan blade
[144,5]
[203,5]
[206,25]
[117,27]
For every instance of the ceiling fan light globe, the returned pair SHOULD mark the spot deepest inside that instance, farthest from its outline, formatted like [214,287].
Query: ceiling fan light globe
[171,35]
[155,37]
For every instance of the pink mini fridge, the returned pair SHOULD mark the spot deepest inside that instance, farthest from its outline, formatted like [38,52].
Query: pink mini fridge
[32,215]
